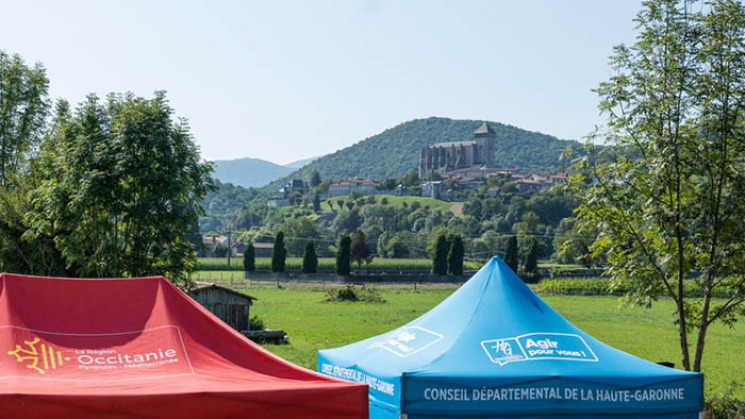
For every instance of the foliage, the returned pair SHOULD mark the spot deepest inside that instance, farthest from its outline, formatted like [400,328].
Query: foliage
[455,256]
[279,253]
[236,206]
[298,231]
[666,195]
[531,264]
[440,260]
[511,255]
[354,294]
[315,179]
[329,264]
[23,109]
[256,323]
[310,260]
[120,186]
[249,258]
[360,250]
[343,256]
[394,152]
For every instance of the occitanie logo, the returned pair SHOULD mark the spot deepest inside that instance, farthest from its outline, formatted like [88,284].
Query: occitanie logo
[40,358]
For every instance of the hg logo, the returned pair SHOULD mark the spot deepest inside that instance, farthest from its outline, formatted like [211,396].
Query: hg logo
[40,358]
[502,351]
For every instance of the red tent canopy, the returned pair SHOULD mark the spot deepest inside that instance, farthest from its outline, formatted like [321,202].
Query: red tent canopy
[141,348]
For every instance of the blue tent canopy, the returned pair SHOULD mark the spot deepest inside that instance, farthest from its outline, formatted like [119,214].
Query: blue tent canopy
[494,349]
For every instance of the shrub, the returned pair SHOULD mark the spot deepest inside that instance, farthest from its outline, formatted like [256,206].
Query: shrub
[354,294]
[256,323]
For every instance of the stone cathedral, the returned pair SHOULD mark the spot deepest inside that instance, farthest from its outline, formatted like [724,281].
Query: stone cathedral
[444,157]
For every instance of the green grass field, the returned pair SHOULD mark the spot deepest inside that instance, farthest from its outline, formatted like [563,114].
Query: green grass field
[649,333]
[394,201]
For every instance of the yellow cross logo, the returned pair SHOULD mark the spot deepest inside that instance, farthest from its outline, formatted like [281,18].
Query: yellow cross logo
[41,359]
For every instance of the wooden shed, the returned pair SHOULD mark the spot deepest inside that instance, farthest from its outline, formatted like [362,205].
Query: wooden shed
[229,305]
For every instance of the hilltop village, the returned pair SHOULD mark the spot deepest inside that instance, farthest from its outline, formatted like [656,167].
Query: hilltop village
[447,171]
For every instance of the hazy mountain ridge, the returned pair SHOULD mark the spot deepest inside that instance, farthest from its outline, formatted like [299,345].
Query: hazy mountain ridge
[249,172]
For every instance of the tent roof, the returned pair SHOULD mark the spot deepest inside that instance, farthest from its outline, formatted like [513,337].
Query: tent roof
[110,348]
[494,331]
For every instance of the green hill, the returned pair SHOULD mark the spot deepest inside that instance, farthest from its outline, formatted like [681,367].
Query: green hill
[395,151]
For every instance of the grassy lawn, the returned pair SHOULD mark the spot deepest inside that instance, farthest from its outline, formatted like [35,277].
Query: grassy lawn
[649,333]
[394,201]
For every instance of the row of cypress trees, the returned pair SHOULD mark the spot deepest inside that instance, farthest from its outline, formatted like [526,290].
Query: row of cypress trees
[448,258]
[310,260]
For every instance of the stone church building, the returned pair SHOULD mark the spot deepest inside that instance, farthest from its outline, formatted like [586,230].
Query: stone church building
[445,157]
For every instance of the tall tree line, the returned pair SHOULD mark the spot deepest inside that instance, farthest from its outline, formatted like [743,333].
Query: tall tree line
[110,188]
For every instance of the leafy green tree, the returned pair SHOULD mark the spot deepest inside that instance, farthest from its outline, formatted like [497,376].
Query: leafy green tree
[23,108]
[360,249]
[297,231]
[279,253]
[249,258]
[455,256]
[120,187]
[666,192]
[511,253]
[310,260]
[440,260]
[343,256]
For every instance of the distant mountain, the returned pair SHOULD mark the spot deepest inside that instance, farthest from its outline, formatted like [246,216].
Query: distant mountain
[300,163]
[249,172]
[395,151]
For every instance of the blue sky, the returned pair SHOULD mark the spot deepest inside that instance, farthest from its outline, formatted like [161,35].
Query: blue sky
[287,80]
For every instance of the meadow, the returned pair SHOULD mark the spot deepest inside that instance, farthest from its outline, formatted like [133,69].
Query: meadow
[313,324]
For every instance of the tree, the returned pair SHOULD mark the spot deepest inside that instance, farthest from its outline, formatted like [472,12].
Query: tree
[440,260]
[455,256]
[316,203]
[23,109]
[360,250]
[120,186]
[279,253]
[331,204]
[249,258]
[531,263]
[315,179]
[666,192]
[343,256]
[310,260]
[510,253]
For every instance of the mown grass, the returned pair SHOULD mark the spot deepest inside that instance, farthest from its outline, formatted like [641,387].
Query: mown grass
[649,333]
[294,264]
[393,201]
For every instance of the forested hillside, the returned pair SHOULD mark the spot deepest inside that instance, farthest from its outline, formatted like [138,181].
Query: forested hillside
[395,151]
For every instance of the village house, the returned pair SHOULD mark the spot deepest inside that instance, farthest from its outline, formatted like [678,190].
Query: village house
[346,186]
